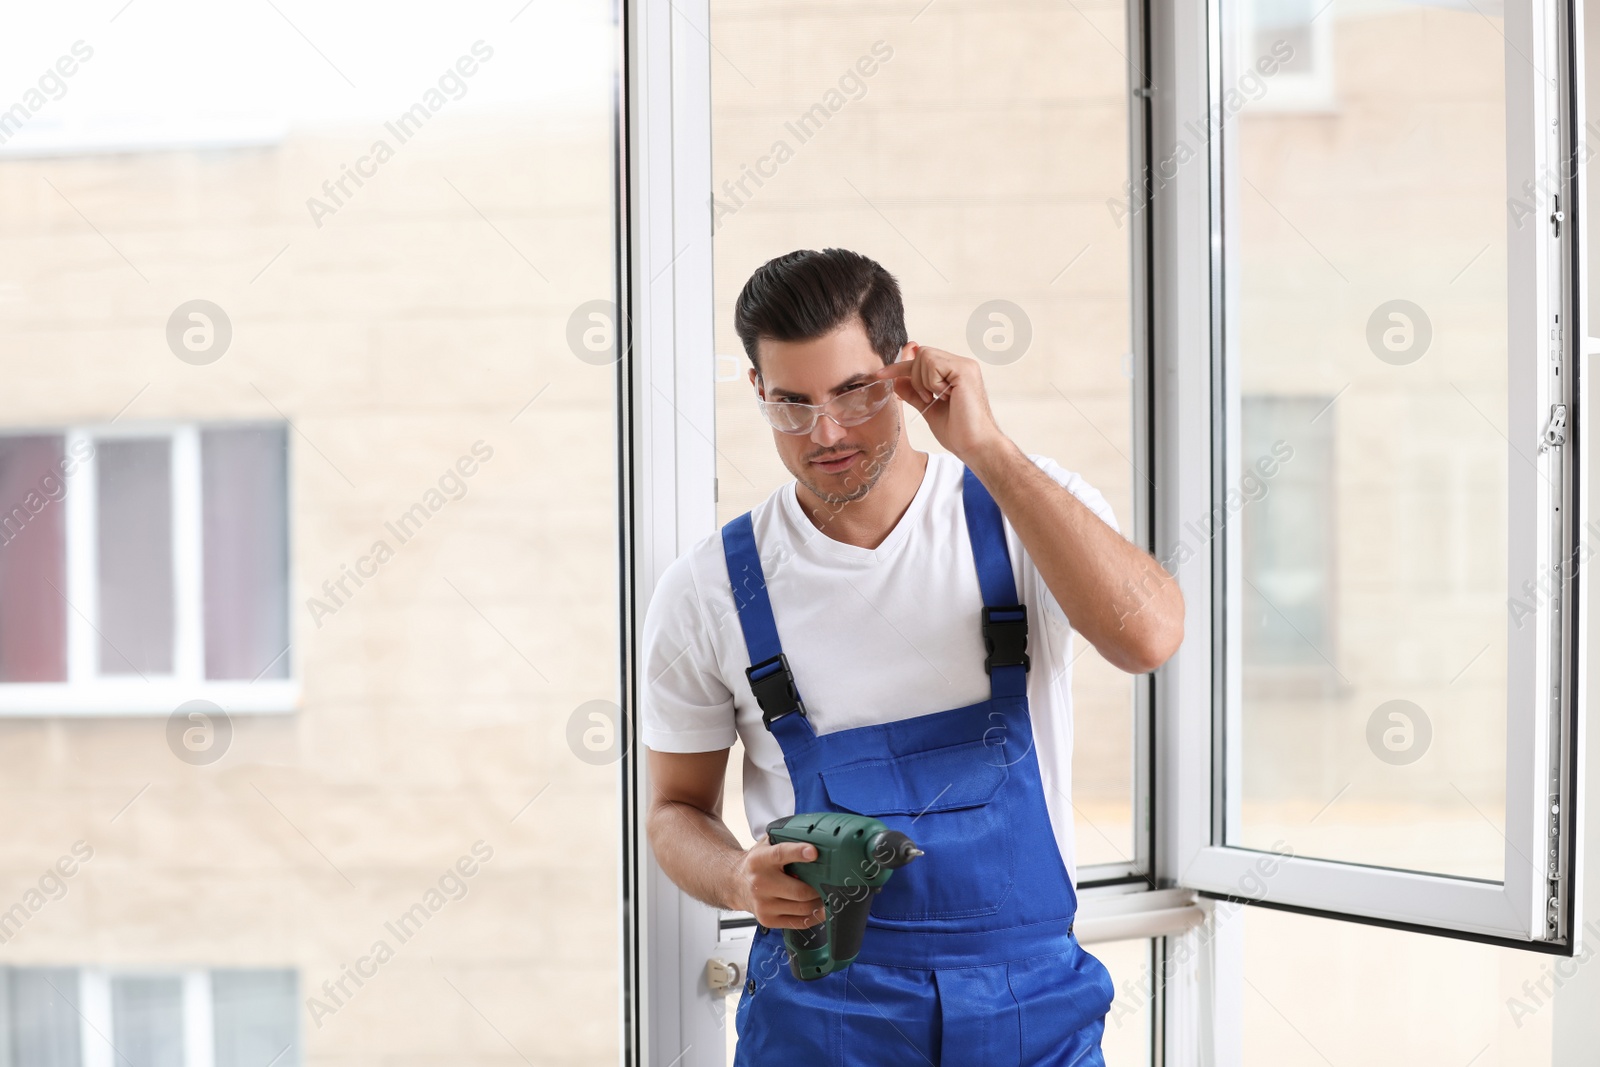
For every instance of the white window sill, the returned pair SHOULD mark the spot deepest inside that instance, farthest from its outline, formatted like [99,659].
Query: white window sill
[159,696]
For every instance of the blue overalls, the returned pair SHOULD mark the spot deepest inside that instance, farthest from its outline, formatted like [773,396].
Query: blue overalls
[969,956]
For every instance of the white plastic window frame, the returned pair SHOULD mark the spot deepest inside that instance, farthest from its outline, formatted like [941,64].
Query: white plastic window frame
[666,377]
[1530,908]
[665,424]
[88,693]
[1199,1012]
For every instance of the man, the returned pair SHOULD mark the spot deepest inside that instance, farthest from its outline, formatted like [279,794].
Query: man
[889,634]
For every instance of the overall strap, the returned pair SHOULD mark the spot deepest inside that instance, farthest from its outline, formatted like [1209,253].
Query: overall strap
[770,678]
[1005,618]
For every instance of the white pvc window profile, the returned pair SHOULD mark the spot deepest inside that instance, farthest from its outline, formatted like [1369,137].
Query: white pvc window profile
[667,405]
[666,381]
[1534,904]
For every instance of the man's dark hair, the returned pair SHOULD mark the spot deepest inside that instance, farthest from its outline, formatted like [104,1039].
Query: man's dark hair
[807,294]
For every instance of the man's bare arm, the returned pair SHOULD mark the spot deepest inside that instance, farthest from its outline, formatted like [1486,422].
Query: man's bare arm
[703,858]
[1113,592]
[692,843]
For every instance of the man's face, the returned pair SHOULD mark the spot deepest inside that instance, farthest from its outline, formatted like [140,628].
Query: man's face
[838,464]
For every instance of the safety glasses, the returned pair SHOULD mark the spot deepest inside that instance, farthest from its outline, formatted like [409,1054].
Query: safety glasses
[847,409]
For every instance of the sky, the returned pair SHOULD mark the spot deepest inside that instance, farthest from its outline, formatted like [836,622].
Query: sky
[183,72]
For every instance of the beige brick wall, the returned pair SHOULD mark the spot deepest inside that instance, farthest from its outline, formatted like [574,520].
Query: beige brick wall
[393,337]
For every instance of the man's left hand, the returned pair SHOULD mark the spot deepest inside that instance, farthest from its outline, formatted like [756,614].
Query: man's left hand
[948,390]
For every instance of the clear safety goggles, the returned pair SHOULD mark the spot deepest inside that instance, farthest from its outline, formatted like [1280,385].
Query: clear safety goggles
[850,408]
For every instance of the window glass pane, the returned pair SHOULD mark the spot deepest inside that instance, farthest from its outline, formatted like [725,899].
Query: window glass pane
[1318,992]
[147,1021]
[253,1018]
[245,538]
[1368,222]
[1288,557]
[33,560]
[367,226]
[134,565]
[1126,1042]
[43,1017]
[980,156]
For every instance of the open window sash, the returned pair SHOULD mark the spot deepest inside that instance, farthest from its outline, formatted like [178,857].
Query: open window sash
[1532,903]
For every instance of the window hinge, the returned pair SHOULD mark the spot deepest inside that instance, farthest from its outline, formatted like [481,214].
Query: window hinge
[1555,431]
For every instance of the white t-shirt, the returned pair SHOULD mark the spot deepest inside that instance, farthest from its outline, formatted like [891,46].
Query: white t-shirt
[872,635]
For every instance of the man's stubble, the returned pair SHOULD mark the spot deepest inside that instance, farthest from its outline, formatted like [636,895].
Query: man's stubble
[872,468]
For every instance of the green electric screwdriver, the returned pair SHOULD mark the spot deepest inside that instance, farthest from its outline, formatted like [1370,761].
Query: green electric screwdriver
[856,855]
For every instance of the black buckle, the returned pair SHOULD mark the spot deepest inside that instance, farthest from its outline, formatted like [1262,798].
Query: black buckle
[773,685]
[1005,636]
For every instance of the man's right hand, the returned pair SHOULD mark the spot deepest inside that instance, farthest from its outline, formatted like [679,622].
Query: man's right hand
[776,899]
[703,858]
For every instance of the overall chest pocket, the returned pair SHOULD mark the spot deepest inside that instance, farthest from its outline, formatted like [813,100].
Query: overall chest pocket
[950,801]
